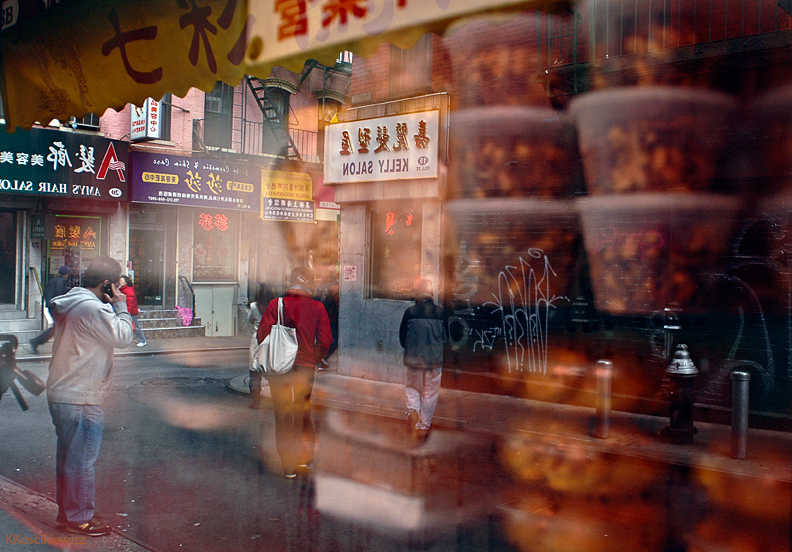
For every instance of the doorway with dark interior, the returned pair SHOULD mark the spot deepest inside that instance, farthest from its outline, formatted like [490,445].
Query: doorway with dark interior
[8,257]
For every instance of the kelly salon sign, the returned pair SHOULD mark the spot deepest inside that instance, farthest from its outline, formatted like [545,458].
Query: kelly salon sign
[44,162]
[391,148]
[194,182]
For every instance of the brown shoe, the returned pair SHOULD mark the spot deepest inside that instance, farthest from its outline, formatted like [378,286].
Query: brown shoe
[94,527]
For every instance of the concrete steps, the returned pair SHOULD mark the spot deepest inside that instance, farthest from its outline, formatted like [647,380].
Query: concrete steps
[16,322]
[162,324]
[157,324]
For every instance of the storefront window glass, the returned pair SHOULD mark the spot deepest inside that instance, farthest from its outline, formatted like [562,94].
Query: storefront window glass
[395,251]
[214,249]
[74,242]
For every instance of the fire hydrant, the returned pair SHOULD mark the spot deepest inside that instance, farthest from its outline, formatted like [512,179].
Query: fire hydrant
[681,373]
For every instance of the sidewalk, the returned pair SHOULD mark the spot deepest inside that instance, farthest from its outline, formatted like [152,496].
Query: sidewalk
[769,452]
[27,524]
[504,418]
[153,347]
[508,421]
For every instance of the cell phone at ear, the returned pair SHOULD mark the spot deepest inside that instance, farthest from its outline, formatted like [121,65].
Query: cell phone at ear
[108,289]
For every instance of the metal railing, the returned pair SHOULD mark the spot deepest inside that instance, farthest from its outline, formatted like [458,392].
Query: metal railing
[192,291]
[253,138]
[256,136]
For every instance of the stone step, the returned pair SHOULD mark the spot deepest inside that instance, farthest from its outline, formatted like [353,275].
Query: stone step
[12,314]
[26,335]
[152,323]
[20,325]
[175,331]
[169,332]
[159,313]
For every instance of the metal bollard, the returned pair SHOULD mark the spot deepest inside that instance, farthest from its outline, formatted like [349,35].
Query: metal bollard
[739,429]
[604,374]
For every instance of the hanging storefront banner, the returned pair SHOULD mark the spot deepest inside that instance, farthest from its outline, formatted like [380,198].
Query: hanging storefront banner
[144,122]
[45,162]
[389,148]
[286,196]
[192,181]
[85,56]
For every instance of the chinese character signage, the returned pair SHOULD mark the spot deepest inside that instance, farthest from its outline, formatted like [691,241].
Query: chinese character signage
[194,182]
[67,232]
[286,196]
[391,148]
[214,251]
[144,121]
[45,162]
[104,53]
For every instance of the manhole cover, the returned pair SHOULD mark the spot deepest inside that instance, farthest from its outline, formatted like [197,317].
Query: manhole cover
[109,428]
[179,382]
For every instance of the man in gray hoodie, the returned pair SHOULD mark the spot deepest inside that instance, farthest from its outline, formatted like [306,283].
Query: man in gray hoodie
[90,322]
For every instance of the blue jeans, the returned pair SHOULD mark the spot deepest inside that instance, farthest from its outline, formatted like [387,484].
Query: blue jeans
[79,430]
[138,328]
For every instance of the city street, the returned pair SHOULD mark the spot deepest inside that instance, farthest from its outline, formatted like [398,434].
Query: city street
[185,465]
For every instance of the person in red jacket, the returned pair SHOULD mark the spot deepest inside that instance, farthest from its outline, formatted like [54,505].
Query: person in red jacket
[132,307]
[291,392]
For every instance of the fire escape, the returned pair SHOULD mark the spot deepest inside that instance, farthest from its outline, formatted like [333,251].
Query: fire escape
[275,113]
[275,118]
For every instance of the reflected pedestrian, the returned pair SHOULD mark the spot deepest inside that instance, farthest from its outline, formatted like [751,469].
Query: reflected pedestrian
[291,392]
[90,323]
[422,333]
[128,289]
[56,287]
[257,309]
[327,294]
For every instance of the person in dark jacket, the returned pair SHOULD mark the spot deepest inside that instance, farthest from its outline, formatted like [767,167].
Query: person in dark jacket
[57,286]
[422,334]
[128,289]
[327,294]
[291,392]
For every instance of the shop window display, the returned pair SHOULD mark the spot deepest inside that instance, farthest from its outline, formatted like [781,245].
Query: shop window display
[395,251]
[214,249]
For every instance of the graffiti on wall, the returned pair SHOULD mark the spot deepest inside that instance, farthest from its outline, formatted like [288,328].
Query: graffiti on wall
[518,312]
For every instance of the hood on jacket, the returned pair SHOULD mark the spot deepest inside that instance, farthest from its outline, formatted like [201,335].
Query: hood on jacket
[61,305]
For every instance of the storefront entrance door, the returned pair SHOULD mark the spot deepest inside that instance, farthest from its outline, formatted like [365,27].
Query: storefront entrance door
[215,306]
[8,248]
[147,255]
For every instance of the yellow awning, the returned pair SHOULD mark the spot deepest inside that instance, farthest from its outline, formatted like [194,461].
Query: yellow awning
[84,56]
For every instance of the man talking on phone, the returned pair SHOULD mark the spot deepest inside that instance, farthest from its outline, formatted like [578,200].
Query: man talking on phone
[90,323]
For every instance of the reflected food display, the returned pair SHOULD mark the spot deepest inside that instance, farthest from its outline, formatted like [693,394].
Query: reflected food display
[531,260]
